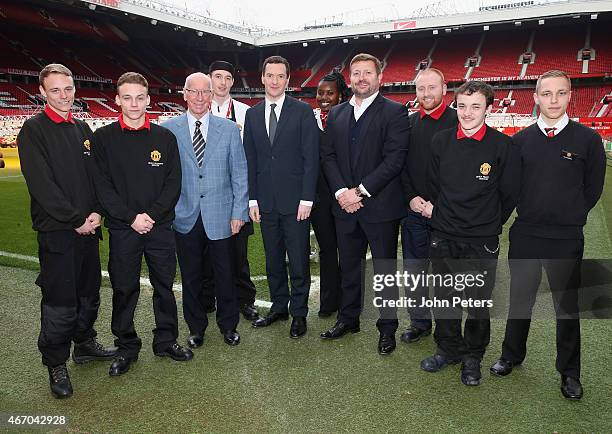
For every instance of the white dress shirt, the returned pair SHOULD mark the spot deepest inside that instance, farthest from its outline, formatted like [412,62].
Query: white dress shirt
[278,109]
[358,110]
[191,120]
[561,123]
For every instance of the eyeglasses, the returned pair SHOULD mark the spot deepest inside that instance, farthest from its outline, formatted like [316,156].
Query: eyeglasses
[198,92]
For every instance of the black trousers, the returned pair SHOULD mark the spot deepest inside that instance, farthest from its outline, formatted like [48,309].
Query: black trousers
[354,236]
[127,247]
[416,238]
[195,250]
[561,259]
[450,257]
[70,283]
[242,277]
[324,226]
[283,235]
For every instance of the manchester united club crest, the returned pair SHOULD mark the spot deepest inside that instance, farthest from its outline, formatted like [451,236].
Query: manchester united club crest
[155,158]
[485,169]
[87,147]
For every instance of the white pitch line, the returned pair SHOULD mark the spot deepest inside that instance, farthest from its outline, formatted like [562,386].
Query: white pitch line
[314,286]
[11,176]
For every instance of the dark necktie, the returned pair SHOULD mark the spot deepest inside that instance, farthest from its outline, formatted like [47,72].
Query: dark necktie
[198,143]
[550,132]
[272,123]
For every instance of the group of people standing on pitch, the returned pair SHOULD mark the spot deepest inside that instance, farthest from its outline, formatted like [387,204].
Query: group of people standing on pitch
[360,170]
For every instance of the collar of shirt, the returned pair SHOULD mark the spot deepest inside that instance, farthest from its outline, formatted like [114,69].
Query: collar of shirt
[146,124]
[478,135]
[561,123]
[436,114]
[279,107]
[359,110]
[55,117]
[220,110]
[191,120]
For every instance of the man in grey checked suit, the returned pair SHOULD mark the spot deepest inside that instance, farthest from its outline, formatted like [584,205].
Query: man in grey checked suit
[212,208]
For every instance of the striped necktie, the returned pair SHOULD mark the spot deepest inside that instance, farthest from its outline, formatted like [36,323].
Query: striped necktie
[198,143]
[550,132]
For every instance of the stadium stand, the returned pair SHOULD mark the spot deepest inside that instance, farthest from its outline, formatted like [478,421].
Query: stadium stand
[494,62]
[98,47]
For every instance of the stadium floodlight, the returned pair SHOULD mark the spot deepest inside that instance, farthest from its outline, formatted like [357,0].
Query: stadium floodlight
[376,36]
[200,33]
[92,6]
[541,22]
[485,28]
[345,40]
[593,16]
[322,42]
[304,44]
[153,22]
[238,43]
[435,32]
[387,36]
[448,30]
[518,23]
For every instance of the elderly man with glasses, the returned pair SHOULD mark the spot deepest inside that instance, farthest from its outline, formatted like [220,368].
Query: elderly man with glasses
[212,208]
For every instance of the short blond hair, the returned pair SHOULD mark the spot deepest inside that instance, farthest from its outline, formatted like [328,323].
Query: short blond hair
[553,73]
[53,68]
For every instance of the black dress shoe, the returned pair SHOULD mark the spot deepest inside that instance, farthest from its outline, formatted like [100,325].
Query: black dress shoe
[59,381]
[176,352]
[121,365]
[298,327]
[470,371]
[437,362]
[386,344]
[249,312]
[339,330]
[90,350]
[502,367]
[413,334]
[195,340]
[270,318]
[571,388]
[231,337]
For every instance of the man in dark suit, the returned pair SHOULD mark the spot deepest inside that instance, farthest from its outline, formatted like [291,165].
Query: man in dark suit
[363,153]
[281,140]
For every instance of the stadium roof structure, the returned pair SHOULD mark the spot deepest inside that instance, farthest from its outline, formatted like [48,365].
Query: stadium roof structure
[434,18]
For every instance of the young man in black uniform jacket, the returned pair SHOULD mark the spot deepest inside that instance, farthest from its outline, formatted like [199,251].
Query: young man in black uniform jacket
[473,192]
[562,174]
[138,184]
[54,150]
[363,153]
[433,116]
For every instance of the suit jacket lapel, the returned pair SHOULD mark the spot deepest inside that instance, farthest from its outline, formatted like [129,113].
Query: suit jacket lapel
[366,119]
[186,140]
[285,114]
[212,137]
[261,115]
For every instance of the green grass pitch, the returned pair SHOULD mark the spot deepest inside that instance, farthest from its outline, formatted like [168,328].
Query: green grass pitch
[270,383]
